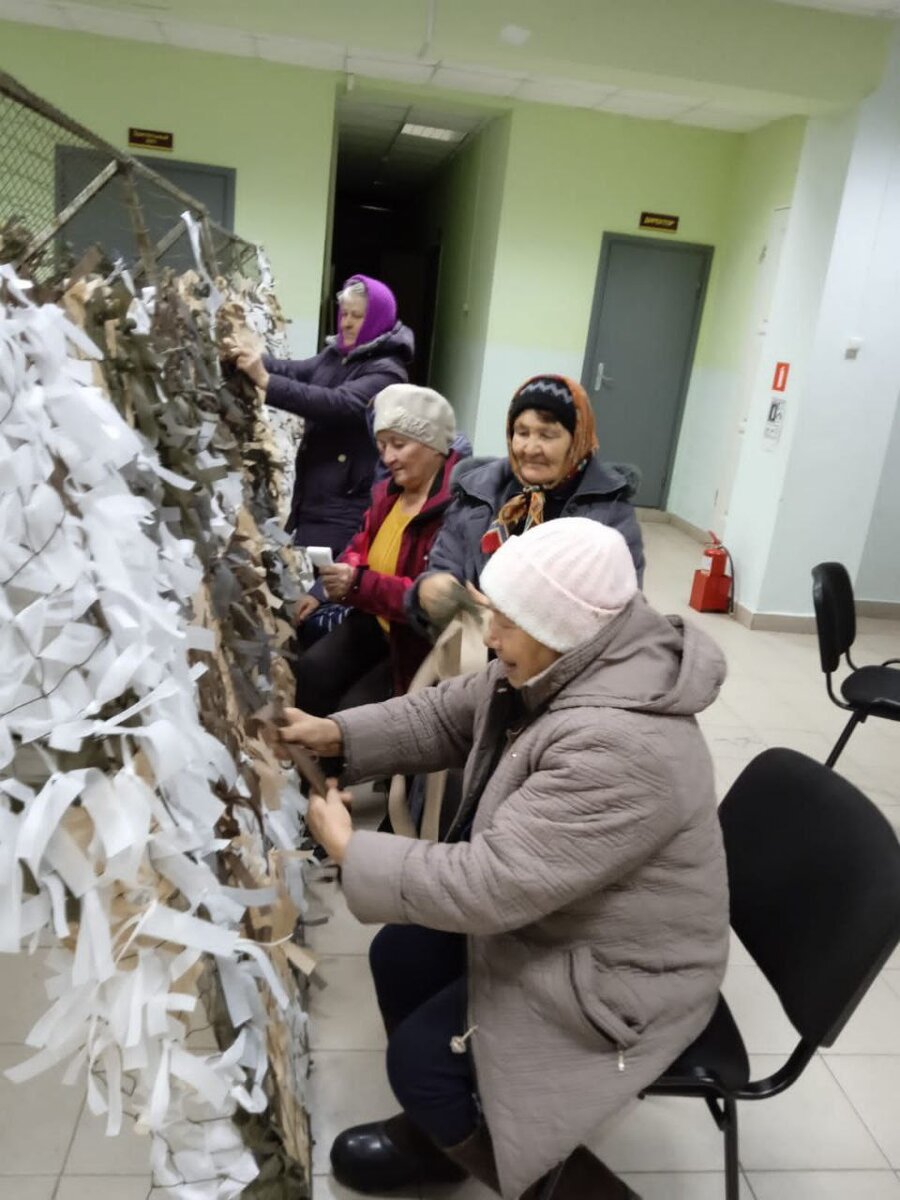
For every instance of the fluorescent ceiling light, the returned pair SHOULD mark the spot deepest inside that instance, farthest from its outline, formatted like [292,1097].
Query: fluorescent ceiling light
[432,132]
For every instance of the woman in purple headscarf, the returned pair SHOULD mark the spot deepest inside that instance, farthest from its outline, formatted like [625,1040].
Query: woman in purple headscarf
[333,392]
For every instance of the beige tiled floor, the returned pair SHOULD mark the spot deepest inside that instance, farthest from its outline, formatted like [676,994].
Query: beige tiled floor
[834,1136]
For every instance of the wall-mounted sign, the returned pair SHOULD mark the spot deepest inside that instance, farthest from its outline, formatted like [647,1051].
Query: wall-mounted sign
[774,422]
[779,380]
[151,139]
[663,221]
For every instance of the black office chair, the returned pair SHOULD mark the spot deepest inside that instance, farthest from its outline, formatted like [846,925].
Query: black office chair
[867,691]
[814,876]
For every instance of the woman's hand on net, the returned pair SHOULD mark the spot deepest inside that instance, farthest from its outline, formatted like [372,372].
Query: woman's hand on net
[329,821]
[251,363]
[319,734]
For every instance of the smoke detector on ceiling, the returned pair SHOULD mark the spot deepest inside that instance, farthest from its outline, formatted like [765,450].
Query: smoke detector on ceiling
[514,35]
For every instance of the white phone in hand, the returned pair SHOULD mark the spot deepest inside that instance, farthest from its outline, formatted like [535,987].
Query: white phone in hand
[320,556]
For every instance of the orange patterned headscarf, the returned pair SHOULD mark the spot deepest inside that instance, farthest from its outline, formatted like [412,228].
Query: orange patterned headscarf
[566,401]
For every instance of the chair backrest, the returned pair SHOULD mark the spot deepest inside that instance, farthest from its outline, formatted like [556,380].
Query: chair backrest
[814,873]
[835,612]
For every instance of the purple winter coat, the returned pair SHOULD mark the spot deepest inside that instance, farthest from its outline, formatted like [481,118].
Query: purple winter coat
[336,457]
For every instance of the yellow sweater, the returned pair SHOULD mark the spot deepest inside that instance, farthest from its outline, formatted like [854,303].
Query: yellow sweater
[385,548]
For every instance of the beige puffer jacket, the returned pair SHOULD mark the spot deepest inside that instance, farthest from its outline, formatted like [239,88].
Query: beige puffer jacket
[593,889]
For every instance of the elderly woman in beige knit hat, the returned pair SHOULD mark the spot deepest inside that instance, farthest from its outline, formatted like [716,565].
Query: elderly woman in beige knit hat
[374,651]
[553,957]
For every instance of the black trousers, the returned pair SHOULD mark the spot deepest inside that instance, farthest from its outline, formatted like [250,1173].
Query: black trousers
[420,981]
[347,667]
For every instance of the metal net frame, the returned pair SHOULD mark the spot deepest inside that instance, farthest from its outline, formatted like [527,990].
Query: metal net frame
[35,137]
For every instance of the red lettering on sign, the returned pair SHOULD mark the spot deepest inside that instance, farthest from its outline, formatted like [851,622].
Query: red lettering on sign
[779,382]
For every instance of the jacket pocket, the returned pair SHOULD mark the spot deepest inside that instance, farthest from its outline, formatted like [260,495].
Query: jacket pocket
[586,979]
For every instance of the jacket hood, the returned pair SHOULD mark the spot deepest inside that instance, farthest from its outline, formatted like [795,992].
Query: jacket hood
[399,342]
[488,478]
[642,661]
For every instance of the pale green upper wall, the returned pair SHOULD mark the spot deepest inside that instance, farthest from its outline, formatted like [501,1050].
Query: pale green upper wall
[273,124]
[573,175]
[765,178]
[464,210]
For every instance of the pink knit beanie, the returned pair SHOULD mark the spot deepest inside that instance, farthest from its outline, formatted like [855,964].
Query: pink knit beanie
[561,581]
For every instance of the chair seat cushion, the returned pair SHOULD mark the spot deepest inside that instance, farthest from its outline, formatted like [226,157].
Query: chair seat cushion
[719,1051]
[876,689]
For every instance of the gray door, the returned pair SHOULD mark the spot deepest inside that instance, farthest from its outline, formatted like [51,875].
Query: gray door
[104,219]
[644,323]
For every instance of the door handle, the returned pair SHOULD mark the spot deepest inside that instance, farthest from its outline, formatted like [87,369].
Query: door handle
[600,378]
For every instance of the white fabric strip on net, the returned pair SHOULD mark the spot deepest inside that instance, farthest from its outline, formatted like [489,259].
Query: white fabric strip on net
[118,867]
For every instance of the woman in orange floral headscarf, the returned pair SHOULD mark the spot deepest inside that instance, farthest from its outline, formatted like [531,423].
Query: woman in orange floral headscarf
[552,470]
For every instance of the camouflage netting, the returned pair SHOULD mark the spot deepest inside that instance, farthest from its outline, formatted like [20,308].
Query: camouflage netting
[148,835]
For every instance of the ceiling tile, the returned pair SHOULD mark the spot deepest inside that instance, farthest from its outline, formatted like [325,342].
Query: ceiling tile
[461,122]
[374,121]
[209,37]
[115,24]
[321,55]
[403,70]
[549,90]
[474,79]
[712,116]
[857,8]
[662,105]
[33,12]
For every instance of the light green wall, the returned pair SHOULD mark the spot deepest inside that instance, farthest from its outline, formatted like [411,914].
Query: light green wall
[464,210]
[764,179]
[573,175]
[272,123]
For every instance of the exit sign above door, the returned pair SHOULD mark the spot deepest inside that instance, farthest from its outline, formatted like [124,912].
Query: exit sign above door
[661,221]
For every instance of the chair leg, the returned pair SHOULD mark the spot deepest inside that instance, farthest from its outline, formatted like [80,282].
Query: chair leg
[549,1184]
[732,1165]
[843,739]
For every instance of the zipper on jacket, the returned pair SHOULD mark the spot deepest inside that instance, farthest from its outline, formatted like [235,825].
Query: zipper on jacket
[458,1041]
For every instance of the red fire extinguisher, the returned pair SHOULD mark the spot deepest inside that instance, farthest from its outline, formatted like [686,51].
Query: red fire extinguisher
[713,590]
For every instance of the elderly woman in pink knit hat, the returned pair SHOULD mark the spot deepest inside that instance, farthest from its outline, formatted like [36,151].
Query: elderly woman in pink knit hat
[551,958]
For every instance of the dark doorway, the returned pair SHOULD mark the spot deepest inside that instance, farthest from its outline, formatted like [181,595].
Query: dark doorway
[389,162]
[389,241]
[644,324]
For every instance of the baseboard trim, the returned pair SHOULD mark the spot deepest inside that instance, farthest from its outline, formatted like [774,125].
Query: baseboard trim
[774,622]
[885,610]
[693,531]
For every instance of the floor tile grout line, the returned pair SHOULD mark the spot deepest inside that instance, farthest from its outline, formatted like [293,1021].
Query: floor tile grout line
[68,1152]
[849,1100]
[745,1176]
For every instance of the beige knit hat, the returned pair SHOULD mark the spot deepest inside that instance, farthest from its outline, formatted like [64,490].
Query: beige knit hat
[561,581]
[416,412]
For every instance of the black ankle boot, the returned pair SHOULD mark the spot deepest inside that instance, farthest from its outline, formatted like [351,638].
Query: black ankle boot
[385,1155]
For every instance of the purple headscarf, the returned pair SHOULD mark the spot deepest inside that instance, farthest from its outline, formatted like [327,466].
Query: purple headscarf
[381,312]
